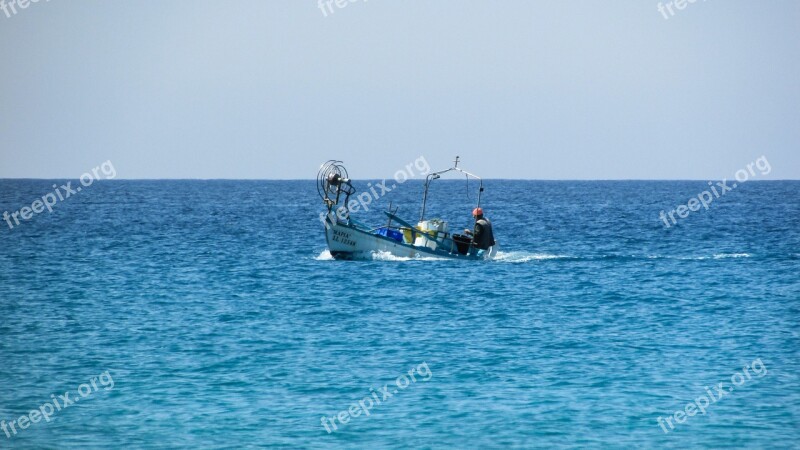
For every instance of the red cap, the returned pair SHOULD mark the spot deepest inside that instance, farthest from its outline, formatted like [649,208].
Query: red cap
[477,212]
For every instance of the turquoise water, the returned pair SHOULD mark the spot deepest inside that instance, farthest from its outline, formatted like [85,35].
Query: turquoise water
[223,323]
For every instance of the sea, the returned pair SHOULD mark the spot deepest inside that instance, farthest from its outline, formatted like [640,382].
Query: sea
[209,314]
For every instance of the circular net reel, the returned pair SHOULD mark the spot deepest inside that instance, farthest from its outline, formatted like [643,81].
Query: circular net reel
[332,181]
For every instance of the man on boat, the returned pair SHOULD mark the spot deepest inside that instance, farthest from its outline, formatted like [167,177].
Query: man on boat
[482,237]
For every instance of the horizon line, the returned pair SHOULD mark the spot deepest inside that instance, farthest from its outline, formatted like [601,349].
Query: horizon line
[372,179]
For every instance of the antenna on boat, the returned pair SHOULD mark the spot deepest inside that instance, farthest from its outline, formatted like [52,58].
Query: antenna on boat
[437,175]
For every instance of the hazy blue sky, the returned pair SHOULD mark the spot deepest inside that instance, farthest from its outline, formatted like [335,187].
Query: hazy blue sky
[520,89]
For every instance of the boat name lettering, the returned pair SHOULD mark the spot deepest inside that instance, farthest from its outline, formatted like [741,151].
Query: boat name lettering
[344,238]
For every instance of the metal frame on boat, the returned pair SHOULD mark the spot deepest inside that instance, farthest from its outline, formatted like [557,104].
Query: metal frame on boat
[349,239]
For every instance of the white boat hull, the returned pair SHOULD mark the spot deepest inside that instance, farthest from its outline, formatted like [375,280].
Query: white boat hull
[348,242]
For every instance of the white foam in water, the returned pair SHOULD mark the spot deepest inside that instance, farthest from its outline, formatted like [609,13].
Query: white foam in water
[521,257]
[702,258]
[324,256]
[386,256]
[731,255]
[380,256]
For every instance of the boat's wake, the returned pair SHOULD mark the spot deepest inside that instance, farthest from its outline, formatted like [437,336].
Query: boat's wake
[381,256]
[732,255]
[386,256]
[701,258]
[524,257]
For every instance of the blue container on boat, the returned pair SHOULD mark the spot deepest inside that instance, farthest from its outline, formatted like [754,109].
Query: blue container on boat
[391,234]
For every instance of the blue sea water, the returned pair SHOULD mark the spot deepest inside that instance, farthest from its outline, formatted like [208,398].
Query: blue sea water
[223,323]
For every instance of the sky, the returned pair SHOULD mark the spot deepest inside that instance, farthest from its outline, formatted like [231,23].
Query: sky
[527,89]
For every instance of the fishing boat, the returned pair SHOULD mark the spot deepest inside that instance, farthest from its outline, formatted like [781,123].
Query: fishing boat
[350,239]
